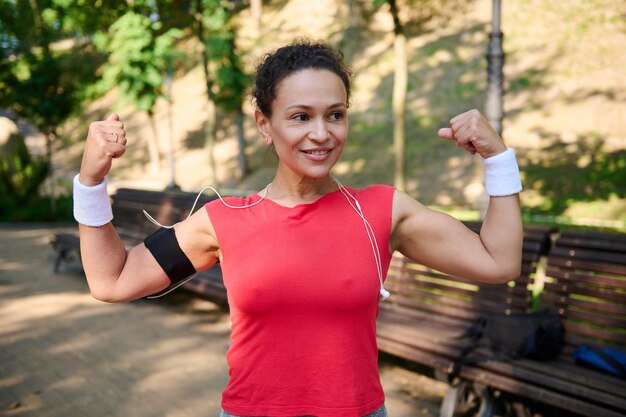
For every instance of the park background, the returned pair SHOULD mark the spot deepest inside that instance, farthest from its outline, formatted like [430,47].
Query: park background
[65,63]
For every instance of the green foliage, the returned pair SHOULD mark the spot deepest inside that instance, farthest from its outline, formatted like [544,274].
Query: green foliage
[138,58]
[84,17]
[20,178]
[46,97]
[229,80]
[34,81]
[8,80]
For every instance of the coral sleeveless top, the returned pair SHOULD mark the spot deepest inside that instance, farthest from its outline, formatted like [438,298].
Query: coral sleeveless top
[303,294]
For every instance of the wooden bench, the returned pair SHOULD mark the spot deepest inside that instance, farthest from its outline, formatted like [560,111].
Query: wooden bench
[585,282]
[167,207]
[67,247]
[429,311]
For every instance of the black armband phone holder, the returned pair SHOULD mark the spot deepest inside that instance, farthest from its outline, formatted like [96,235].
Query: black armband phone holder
[165,248]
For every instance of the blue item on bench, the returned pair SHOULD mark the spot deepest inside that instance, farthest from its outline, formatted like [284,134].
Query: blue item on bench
[608,360]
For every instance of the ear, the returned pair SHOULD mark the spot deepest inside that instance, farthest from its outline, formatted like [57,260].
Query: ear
[263,123]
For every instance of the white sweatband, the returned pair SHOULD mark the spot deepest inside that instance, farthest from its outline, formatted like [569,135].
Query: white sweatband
[91,204]
[502,174]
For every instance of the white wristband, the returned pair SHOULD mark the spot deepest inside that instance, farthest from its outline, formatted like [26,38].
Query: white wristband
[91,204]
[502,174]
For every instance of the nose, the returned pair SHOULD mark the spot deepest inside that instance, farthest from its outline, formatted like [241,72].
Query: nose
[319,131]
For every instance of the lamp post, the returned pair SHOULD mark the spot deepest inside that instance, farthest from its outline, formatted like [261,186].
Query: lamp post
[495,62]
[493,100]
[172,161]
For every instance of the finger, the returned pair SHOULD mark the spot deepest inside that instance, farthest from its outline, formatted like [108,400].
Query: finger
[465,134]
[459,119]
[112,136]
[113,116]
[446,133]
[111,124]
[470,148]
[117,136]
[121,139]
[119,153]
[106,138]
[114,150]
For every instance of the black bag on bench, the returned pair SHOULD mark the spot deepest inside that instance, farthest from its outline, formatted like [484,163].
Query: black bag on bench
[519,335]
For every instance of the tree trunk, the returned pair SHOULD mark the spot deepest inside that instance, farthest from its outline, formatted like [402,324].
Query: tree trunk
[211,139]
[211,107]
[256,10]
[241,140]
[153,147]
[400,82]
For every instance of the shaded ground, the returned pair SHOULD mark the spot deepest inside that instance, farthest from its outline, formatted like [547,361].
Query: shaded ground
[62,353]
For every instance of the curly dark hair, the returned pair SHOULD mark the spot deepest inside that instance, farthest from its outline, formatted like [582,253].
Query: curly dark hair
[299,55]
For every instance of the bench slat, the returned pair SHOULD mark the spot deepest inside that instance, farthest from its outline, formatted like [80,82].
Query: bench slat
[549,298]
[603,280]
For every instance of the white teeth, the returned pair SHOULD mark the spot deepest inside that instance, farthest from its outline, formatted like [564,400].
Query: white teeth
[317,152]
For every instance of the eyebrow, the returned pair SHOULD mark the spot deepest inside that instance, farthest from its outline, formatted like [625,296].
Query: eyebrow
[306,107]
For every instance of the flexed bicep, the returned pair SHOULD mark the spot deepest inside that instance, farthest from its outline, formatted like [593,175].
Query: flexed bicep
[440,241]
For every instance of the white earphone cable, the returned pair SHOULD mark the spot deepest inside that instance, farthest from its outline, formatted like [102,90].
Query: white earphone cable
[265,191]
[384,294]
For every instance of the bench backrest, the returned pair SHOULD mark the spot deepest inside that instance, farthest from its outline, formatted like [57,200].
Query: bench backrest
[419,291]
[586,283]
[167,207]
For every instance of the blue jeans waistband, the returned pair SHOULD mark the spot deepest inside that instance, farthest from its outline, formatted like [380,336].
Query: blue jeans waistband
[379,412]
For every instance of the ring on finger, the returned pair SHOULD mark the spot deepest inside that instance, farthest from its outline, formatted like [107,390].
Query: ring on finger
[116,137]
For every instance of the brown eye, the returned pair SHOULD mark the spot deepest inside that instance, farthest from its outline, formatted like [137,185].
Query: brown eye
[336,116]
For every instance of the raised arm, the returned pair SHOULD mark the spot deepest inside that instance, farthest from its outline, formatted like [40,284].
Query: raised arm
[441,242]
[113,273]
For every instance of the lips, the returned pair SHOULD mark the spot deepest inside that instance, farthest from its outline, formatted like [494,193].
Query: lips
[318,154]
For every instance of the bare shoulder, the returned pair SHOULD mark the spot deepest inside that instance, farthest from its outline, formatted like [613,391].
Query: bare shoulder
[197,238]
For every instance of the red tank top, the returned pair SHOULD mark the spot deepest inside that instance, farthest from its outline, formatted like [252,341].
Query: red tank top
[303,294]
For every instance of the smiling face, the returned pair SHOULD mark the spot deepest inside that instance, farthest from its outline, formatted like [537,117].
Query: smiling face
[309,123]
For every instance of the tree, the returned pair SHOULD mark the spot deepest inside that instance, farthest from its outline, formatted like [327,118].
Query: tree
[399,95]
[400,81]
[225,80]
[138,59]
[422,11]
[21,175]
[34,83]
[232,82]
[256,9]
[45,97]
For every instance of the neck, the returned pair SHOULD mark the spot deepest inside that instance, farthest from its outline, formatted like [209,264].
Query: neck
[292,190]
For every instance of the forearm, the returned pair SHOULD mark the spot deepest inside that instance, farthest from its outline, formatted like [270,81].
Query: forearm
[502,236]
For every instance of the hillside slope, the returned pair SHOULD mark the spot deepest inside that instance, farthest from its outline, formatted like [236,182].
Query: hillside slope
[565,104]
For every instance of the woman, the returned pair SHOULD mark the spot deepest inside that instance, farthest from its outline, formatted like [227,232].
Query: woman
[304,259]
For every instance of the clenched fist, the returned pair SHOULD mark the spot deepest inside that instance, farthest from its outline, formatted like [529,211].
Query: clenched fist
[473,132]
[106,140]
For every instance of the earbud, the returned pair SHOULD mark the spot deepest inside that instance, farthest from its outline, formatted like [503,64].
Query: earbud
[384,294]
